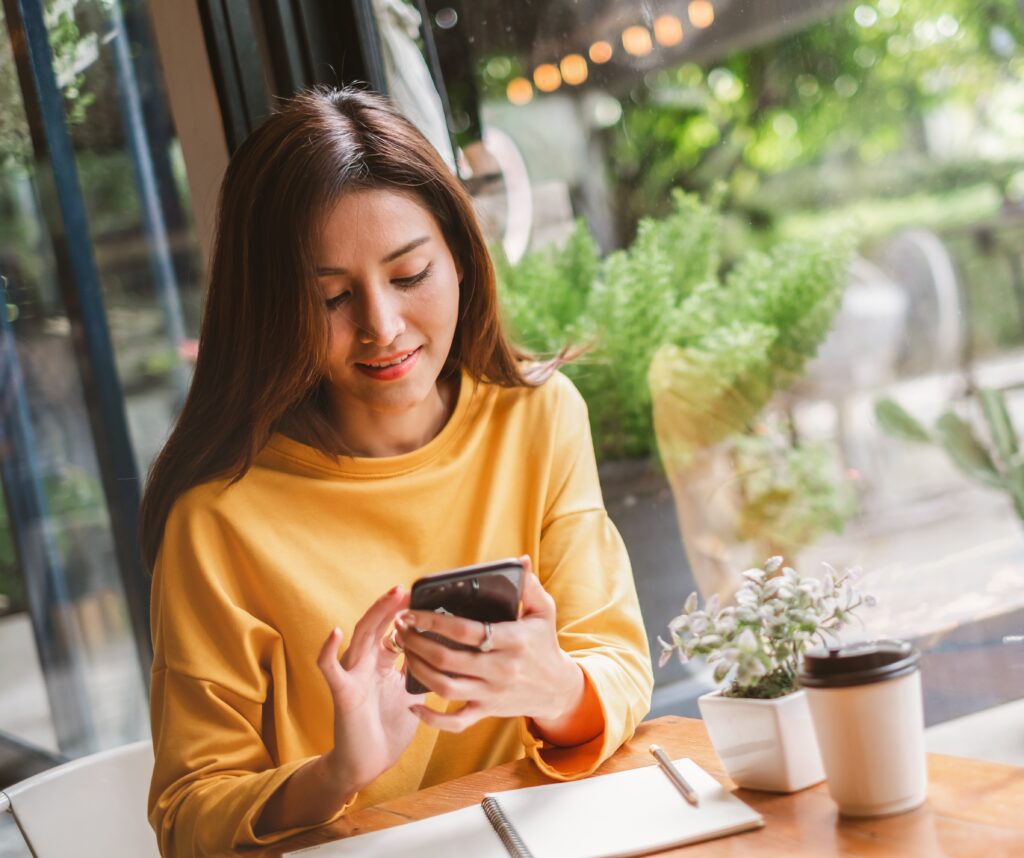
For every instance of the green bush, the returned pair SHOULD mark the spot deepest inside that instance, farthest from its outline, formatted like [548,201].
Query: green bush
[659,318]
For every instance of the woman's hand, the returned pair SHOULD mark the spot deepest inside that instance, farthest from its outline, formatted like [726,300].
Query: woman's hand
[373,723]
[525,673]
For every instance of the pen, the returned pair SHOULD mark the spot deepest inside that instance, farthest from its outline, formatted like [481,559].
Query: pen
[674,775]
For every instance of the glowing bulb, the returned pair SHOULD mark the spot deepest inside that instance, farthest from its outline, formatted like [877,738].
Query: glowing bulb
[637,41]
[574,69]
[702,13]
[547,78]
[601,52]
[519,91]
[668,30]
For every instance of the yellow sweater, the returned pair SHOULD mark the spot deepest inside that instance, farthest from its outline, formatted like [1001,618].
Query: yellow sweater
[251,578]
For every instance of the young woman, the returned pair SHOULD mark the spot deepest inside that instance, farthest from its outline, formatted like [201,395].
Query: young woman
[358,419]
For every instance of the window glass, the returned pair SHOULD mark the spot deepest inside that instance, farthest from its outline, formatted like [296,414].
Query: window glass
[70,678]
[793,234]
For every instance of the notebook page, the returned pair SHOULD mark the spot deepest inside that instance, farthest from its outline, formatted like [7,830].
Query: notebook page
[461,832]
[623,814]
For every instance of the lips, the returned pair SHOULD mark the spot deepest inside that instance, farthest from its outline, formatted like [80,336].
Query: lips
[392,366]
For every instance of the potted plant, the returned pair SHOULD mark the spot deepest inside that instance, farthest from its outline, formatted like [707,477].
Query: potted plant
[759,721]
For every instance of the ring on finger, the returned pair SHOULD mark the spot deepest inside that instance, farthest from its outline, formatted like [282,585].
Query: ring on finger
[390,642]
[488,643]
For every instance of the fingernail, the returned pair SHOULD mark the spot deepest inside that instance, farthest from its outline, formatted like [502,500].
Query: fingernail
[400,623]
[393,590]
[408,617]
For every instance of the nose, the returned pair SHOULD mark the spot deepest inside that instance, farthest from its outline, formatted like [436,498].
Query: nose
[381,321]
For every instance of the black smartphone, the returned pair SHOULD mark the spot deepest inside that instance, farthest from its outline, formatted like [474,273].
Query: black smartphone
[486,592]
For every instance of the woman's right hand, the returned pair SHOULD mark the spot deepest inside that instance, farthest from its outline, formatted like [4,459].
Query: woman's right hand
[372,721]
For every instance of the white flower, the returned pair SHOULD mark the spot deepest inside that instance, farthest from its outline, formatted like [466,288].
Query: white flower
[773,564]
[755,576]
[870,600]
[712,604]
[691,603]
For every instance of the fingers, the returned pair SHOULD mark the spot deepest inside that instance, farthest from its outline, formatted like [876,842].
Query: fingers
[450,722]
[448,687]
[536,600]
[457,629]
[327,661]
[374,623]
[439,656]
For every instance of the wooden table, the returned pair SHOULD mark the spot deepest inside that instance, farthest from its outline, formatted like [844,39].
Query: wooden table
[974,808]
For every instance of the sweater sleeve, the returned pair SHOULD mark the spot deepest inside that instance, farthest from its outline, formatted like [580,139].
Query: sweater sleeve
[212,679]
[584,566]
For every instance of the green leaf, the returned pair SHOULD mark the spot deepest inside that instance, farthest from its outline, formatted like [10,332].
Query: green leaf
[966,451]
[894,420]
[993,404]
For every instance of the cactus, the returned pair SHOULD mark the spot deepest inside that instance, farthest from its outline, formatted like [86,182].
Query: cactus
[997,463]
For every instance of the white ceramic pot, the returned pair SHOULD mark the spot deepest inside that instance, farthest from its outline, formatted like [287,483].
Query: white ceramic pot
[764,744]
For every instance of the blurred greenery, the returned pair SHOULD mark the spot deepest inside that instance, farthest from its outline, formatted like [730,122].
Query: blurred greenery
[662,320]
[67,493]
[843,97]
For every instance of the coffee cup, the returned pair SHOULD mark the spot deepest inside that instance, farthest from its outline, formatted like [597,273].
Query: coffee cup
[865,702]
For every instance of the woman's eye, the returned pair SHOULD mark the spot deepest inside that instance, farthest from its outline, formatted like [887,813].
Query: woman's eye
[406,282]
[337,300]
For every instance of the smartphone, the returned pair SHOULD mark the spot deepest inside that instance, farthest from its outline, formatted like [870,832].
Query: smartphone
[486,592]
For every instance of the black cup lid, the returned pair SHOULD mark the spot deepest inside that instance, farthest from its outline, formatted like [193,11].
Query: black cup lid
[858,664]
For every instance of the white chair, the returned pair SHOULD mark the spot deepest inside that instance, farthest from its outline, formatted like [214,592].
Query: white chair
[93,807]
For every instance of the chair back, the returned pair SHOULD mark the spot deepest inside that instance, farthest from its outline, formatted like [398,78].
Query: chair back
[93,807]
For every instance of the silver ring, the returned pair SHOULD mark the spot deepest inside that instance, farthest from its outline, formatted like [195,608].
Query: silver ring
[488,644]
[390,642]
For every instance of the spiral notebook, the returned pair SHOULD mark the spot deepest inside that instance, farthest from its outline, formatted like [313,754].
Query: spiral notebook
[609,816]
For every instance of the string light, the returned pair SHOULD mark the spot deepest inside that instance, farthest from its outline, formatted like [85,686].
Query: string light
[574,69]
[601,52]
[547,77]
[702,13]
[637,41]
[668,30]
[519,91]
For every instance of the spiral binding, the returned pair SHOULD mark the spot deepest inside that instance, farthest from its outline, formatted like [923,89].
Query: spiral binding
[503,828]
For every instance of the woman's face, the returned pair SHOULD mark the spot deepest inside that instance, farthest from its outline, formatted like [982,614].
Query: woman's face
[391,286]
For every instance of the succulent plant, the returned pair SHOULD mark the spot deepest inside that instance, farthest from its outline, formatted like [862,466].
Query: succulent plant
[997,462]
[755,645]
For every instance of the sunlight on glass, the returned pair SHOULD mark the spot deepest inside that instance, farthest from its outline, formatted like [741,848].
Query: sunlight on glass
[601,52]
[702,13]
[574,69]
[605,110]
[784,125]
[845,85]
[499,68]
[547,77]
[948,26]
[864,57]
[865,16]
[668,30]
[637,41]
[807,86]
[519,91]
[725,85]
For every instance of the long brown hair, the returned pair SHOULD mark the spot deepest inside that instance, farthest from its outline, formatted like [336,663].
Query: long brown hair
[265,333]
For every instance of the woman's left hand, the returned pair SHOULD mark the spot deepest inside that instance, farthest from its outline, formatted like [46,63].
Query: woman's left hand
[526,673]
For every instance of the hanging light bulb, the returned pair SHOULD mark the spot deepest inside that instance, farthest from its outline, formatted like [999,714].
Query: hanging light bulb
[547,77]
[574,69]
[702,13]
[519,91]
[601,52]
[668,30]
[637,41]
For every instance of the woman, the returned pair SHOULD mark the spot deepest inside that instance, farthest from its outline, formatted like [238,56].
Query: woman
[358,419]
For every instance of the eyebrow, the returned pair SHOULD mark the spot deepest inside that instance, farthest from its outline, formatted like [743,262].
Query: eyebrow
[391,257]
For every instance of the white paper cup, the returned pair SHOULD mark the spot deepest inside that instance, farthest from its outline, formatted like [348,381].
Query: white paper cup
[866,708]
